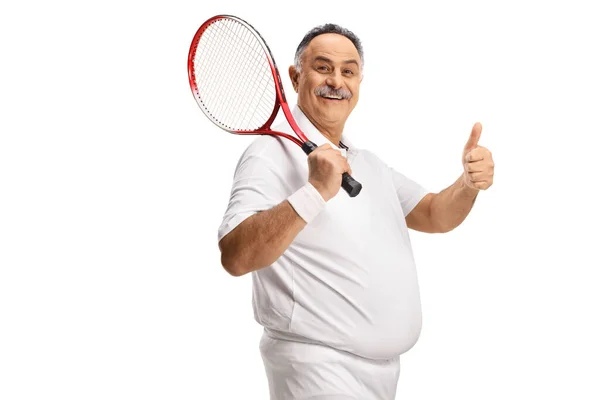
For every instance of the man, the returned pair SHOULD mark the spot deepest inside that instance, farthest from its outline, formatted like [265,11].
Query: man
[334,280]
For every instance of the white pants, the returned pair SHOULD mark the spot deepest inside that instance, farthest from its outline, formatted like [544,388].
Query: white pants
[302,371]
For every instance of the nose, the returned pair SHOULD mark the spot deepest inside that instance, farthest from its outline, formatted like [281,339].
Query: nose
[334,80]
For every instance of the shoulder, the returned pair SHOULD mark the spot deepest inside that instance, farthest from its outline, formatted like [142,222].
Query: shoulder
[270,149]
[266,145]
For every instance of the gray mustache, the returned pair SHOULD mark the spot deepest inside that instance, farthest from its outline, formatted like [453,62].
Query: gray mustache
[329,91]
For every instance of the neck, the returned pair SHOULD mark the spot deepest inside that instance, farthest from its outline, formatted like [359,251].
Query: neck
[332,132]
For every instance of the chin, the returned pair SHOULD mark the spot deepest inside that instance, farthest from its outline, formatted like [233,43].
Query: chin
[333,107]
[334,117]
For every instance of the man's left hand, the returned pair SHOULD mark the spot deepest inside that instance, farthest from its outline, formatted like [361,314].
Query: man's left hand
[477,162]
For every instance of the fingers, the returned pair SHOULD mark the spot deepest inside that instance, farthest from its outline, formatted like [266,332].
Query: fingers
[326,165]
[479,166]
[483,185]
[323,147]
[333,154]
[347,168]
[479,176]
[474,137]
[479,180]
[341,162]
[478,154]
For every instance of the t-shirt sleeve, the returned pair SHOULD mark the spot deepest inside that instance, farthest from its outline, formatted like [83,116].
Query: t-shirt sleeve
[409,192]
[256,187]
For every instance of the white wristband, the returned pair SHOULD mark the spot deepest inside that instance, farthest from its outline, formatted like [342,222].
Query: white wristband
[308,202]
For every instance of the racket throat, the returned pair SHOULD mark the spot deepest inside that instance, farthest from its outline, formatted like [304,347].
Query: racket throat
[308,147]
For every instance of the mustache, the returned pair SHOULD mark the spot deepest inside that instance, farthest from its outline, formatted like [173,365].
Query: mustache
[329,91]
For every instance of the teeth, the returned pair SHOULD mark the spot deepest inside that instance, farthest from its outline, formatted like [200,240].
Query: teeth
[333,97]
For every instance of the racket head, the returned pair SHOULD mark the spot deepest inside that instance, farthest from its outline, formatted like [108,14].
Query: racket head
[233,76]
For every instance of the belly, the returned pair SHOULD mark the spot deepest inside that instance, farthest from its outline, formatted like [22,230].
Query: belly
[355,284]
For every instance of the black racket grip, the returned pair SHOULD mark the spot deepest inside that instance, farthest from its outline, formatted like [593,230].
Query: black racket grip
[349,184]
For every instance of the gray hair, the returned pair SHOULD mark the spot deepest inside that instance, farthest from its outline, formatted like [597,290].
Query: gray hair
[327,28]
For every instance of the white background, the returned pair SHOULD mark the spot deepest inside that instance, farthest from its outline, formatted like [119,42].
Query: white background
[113,184]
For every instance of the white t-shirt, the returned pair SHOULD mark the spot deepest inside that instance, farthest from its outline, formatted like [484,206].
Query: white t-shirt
[348,280]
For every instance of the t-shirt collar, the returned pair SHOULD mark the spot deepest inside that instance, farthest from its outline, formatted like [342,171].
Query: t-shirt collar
[313,134]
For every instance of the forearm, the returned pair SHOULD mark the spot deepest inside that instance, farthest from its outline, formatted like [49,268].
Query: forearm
[260,240]
[450,207]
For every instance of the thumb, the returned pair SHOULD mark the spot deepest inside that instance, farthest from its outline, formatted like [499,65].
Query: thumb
[474,138]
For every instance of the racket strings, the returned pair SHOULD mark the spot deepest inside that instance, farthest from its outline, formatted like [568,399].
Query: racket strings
[233,76]
[231,51]
[245,52]
[252,82]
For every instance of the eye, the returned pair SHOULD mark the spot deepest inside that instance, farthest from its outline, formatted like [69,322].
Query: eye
[349,72]
[322,68]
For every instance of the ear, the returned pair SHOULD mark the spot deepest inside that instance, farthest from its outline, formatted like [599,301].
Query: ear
[294,77]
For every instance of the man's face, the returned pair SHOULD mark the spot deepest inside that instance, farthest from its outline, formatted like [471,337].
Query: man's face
[329,81]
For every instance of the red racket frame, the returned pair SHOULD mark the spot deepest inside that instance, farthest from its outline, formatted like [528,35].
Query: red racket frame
[280,100]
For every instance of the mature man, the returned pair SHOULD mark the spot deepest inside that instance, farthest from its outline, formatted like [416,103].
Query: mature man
[334,280]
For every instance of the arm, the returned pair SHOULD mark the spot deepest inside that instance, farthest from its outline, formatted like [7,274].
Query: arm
[444,211]
[441,212]
[261,239]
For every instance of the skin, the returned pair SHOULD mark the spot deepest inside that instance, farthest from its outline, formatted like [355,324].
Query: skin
[442,212]
[331,61]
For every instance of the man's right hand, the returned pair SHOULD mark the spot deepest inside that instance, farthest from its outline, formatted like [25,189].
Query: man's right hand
[325,168]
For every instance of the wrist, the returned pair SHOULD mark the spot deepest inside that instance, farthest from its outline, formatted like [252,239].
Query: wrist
[466,189]
[307,202]
[322,192]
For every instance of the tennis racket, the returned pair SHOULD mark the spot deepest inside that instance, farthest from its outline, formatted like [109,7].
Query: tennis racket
[237,85]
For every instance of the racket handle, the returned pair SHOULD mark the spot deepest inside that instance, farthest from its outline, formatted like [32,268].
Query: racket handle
[349,184]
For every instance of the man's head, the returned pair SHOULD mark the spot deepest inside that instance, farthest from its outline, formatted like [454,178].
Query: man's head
[327,75]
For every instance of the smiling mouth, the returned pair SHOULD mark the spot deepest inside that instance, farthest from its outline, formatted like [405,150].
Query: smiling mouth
[334,98]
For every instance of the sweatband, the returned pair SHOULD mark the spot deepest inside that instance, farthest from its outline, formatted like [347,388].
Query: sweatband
[308,202]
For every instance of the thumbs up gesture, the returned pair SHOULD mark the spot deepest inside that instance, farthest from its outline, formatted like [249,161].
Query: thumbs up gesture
[477,162]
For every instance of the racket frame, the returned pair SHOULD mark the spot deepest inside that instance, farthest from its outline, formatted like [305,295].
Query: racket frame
[280,100]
